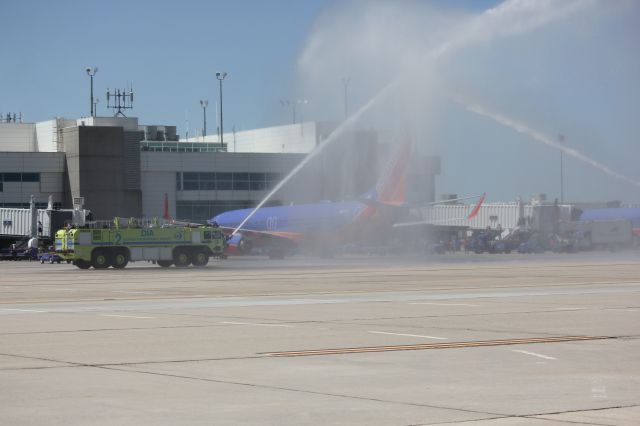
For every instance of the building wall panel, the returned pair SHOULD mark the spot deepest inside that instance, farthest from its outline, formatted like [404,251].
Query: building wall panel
[31,162]
[17,137]
[154,186]
[51,182]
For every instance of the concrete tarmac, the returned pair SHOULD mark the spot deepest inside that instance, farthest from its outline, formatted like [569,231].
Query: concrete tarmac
[483,340]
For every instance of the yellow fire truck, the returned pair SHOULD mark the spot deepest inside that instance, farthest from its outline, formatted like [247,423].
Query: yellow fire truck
[112,244]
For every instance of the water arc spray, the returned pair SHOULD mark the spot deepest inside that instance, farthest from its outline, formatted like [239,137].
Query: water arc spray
[506,19]
[338,131]
[542,138]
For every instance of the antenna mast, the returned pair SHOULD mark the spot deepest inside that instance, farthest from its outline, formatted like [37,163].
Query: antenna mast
[122,100]
[9,118]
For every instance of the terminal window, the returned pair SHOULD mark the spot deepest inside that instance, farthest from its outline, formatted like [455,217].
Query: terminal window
[226,181]
[19,177]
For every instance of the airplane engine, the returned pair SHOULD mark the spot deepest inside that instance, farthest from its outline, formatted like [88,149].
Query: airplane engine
[238,245]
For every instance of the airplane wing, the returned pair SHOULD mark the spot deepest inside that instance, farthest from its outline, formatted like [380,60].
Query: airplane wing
[472,215]
[435,203]
[425,222]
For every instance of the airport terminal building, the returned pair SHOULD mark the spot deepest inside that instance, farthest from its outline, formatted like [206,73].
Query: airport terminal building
[122,168]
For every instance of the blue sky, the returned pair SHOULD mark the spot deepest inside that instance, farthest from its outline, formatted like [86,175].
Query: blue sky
[578,75]
[168,50]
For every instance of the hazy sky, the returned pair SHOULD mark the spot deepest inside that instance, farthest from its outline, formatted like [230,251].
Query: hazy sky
[569,67]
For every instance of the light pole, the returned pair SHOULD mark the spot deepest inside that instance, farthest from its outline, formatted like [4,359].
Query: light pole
[204,105]
[221,76]
[561,141]
[300,102]
[345,83]
[292,104]
[91,72]
[286,103]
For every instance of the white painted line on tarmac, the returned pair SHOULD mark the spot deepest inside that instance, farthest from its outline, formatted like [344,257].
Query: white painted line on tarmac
[132,292]
[533,354]
[64,289]
[24,310]
[443,304]
[622,309]
[570,309]
[256,324]
[409,335]
[126,316]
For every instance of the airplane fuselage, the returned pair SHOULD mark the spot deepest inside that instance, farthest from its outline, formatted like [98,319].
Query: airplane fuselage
[302,219]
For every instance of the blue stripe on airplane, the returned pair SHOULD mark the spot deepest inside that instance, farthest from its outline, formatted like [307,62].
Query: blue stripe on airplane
[132,243]
[300,218]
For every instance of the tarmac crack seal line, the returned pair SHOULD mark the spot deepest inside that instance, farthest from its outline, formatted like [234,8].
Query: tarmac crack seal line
[425,346]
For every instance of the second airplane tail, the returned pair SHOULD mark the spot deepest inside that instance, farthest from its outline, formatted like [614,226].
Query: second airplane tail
[476,209]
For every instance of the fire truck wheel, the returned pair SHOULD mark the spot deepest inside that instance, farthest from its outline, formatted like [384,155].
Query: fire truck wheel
[100,259]
[120,259]
[200,258]
[82,264]
[164,263]
[181,258]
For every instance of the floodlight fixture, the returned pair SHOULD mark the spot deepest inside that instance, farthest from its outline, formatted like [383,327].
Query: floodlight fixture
[221,75]
[204,104]
[91,71]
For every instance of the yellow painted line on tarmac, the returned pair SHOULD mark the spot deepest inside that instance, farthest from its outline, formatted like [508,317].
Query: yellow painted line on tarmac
[425,346]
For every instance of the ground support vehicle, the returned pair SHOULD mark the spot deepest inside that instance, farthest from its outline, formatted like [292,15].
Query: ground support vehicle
[116,246]
[531,246]
[50,258]
[483,242]
[511,242]
[607,234]
[18,254]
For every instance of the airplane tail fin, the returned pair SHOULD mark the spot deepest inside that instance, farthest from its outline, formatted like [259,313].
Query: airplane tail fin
[476,209]
[165,214]
[391,188]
